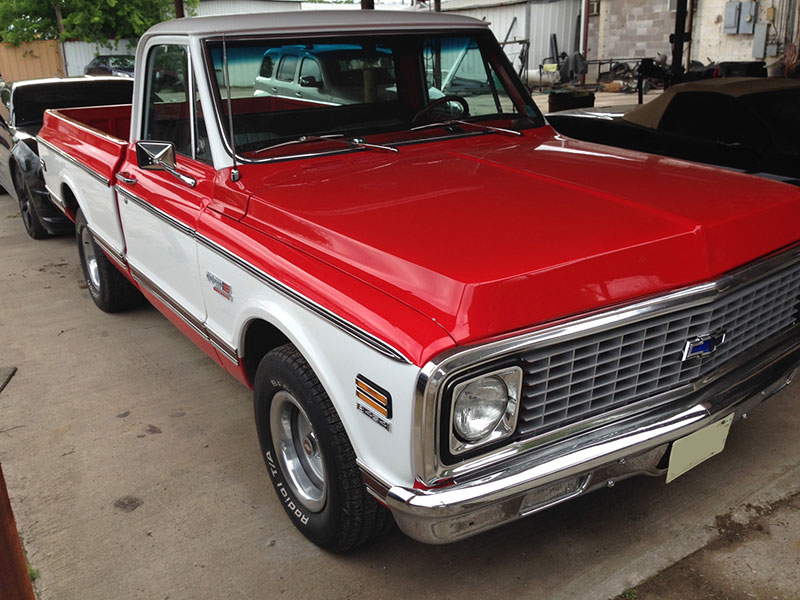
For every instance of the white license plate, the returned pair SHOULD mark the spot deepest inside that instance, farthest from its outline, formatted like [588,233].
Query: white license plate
[690,451]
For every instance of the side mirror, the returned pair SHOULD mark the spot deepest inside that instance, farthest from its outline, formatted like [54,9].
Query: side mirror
[155,156]
[310,81]
[160,156]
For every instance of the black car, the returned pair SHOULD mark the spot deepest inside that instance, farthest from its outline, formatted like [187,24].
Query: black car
[22,108]
[747,124]
[115,64]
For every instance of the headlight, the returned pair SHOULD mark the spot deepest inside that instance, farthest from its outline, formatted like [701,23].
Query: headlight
[479,407]
[484,409]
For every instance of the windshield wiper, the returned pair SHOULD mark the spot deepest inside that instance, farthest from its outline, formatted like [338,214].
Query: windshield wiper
[450,122]
[333,137]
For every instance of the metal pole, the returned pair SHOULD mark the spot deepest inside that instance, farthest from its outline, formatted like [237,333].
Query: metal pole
[689,30]
[678,37]
[585,36]
[367,4]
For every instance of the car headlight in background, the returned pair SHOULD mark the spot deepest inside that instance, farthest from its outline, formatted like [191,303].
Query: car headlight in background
[484,409]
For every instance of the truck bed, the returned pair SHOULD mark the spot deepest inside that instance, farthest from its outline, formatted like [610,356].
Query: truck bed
[94,136]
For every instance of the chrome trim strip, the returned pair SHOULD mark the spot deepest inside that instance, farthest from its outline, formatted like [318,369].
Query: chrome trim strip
[229,351]
[436,373]
[74,161]
[342,324]
[198,326]
[376,486]
[176,307]
[168,219]
[116,256]
[355,331]
[58,202]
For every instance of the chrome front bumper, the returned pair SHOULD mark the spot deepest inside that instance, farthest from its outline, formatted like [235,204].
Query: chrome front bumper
[574,466]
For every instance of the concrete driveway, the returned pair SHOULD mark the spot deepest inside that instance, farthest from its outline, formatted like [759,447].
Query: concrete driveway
[134,472]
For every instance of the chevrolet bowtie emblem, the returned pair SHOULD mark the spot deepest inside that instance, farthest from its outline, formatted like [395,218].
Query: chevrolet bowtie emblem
[703,345]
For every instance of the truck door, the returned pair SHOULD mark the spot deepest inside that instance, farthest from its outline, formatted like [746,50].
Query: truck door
[160,209]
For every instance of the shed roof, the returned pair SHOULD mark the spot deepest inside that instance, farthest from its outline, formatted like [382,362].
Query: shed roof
[451,5]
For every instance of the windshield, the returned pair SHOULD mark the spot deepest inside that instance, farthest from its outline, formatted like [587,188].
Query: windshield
[122,62]
[382,85]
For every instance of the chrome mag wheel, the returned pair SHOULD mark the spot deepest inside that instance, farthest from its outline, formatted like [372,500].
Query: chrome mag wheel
[90,258]
[298,451]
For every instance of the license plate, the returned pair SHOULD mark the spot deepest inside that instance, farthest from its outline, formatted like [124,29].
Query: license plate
[690,451]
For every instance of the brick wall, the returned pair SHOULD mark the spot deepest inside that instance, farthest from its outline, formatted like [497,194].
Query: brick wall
[636,28]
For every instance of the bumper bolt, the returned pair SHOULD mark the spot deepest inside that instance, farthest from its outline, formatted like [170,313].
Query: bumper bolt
[744,416]
[610,483]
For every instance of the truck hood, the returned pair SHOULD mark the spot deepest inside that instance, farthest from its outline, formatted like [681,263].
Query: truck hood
[492,234]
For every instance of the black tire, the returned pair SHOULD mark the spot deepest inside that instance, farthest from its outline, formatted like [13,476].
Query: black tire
[346,515]
[109,288]
[27,209]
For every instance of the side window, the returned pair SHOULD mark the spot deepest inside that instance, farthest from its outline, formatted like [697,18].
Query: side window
[455,66]
[287,68]
[266,67]
[310,68]
[167,114]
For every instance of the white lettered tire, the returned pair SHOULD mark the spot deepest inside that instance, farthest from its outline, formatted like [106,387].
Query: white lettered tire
[309,458]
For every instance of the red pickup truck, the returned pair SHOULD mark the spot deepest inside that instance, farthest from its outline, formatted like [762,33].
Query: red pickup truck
[444,308]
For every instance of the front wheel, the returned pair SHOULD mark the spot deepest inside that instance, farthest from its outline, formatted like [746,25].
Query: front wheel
[109,288]
[309,457]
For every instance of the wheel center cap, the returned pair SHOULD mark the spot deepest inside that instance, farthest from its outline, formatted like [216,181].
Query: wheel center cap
[308,447]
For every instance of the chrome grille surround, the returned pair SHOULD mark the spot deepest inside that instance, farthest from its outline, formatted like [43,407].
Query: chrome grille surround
[575,380]
[654,379]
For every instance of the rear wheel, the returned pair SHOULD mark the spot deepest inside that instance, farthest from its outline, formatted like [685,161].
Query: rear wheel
[27,209]
[109,288]
[309,456]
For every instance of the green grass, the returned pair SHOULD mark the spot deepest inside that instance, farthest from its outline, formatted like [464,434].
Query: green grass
[33,573]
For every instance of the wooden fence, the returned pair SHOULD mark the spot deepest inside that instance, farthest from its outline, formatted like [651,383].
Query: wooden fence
[31,60]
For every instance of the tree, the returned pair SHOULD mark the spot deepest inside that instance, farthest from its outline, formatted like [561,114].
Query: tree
[85,20]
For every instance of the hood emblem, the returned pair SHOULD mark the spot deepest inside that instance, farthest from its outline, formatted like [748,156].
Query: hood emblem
[703,345]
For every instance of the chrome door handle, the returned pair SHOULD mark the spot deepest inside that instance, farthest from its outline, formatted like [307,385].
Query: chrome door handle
[124,178]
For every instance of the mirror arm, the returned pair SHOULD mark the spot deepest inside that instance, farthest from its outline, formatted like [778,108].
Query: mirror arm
[190,181]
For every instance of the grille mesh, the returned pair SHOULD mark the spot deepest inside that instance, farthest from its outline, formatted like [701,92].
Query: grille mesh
[578,379]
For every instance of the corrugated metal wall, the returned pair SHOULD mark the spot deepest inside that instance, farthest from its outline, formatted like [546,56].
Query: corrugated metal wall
[239,7]
[501,19]
[30,60]
[558,17]
[79,54]
[546,17]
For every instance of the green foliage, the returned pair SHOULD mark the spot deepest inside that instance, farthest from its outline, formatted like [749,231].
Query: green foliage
[25,20]
[85,20]
[33,573]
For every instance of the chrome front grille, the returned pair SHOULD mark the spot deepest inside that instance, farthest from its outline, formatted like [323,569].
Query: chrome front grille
[582,378]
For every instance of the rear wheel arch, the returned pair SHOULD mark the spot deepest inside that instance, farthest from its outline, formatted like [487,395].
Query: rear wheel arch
[70,201]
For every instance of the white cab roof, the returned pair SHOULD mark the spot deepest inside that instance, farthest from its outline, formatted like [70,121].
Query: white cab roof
[313,21]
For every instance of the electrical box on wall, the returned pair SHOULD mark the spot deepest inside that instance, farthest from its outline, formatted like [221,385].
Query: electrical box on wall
[747,17]
[731,22]
[760,40]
